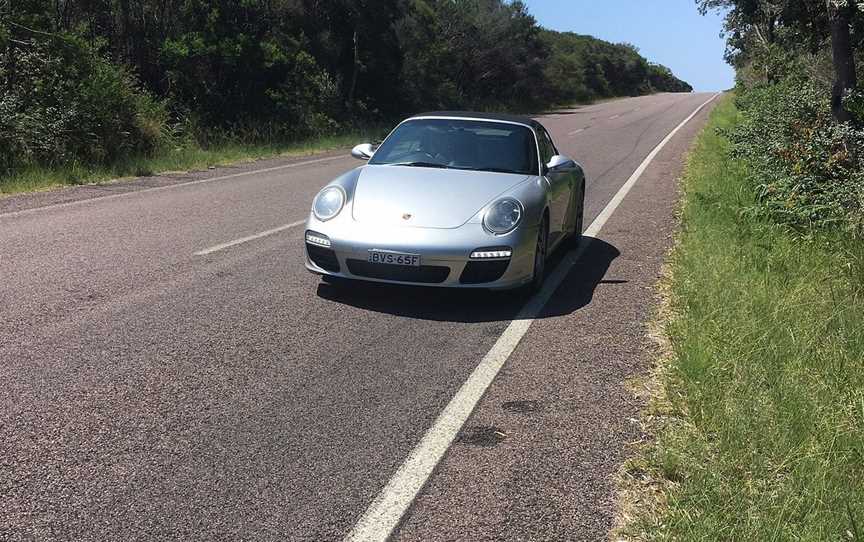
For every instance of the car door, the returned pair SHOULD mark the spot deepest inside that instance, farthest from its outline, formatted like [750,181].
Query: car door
[559,183]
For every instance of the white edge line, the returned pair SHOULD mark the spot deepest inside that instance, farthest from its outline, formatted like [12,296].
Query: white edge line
[384,513]
[610,208]
[242,240]
[167,187]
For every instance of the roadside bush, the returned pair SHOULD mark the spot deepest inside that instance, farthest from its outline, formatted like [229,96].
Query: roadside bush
[244,69]
[64,103]
[807,169]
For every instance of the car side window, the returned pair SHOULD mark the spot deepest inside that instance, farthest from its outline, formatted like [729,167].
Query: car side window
[551,143]
[547,150]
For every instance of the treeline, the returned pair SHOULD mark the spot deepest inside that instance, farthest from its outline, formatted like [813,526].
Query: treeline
[94,81]
[581,68]
[803,112]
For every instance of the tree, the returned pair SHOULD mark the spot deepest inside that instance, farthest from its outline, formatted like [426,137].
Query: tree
[840,13]
[481,54]
[757,25]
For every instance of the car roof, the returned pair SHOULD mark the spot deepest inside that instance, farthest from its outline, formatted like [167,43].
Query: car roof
[518,119]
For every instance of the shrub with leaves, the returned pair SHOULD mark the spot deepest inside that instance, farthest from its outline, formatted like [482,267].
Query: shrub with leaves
[63,102]
[808,170]
[244,69]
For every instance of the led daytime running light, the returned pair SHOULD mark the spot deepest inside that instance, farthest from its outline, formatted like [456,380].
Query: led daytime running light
[317,239]
[491,254]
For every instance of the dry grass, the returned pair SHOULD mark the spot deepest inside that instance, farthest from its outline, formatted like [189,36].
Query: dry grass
[641,495]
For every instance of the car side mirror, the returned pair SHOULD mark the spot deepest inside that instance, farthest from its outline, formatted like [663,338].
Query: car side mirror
[363,152]
[560,163]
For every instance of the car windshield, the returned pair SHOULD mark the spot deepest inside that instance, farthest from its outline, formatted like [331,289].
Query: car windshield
[460,144]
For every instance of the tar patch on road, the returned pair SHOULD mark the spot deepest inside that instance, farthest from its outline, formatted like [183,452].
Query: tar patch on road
[521,407]
[484,435]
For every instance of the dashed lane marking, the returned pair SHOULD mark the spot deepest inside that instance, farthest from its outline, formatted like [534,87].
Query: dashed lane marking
[235,242]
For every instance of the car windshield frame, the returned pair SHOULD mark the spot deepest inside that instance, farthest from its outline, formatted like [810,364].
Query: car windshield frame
[388,155]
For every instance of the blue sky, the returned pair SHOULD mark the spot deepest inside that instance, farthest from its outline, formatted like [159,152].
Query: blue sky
[670,32]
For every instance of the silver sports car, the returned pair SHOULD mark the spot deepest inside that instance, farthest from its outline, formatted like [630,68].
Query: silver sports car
[463,200]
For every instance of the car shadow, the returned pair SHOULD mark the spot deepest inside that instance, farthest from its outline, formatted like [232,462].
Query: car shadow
[472,306]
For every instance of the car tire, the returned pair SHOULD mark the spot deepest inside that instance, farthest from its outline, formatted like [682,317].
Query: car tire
[541,254]
[575,237]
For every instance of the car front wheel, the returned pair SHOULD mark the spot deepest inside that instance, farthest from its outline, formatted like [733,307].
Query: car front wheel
[540,253]
[575,238]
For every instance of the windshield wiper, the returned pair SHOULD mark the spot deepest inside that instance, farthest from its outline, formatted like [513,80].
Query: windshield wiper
[494,170]
[445,166]
[420,164]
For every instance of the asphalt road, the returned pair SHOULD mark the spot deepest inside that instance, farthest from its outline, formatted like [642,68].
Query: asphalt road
[152,393]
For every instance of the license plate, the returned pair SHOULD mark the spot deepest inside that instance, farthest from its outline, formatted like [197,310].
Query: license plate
[394,258]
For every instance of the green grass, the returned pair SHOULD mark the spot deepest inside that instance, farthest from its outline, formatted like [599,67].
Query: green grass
[177,159]
[759,422]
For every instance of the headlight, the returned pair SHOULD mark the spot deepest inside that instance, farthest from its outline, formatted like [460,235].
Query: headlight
[503,216]
[328,203]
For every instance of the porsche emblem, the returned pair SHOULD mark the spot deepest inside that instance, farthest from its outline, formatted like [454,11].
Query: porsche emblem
[406,216]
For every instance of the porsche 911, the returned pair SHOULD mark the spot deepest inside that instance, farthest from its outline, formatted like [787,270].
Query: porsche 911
[462,200]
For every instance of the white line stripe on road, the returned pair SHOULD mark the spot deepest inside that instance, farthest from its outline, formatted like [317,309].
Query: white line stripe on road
[579,131]
[386,511]
[170,186]
[613,117]
[610,208]
[242,240]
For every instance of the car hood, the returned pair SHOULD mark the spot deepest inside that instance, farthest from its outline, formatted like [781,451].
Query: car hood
[426,197]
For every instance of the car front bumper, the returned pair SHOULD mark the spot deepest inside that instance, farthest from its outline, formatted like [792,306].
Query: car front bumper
[445,254]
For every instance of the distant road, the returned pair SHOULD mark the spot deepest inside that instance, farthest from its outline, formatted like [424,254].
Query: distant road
[170,370]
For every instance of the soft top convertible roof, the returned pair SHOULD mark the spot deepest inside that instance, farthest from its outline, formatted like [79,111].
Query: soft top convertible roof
[527,121]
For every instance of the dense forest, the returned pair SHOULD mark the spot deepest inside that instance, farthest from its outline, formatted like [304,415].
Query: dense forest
[803,112]
[95,81]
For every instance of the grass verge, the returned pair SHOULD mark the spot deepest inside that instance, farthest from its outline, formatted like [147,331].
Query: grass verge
[183,158]
[758,407]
